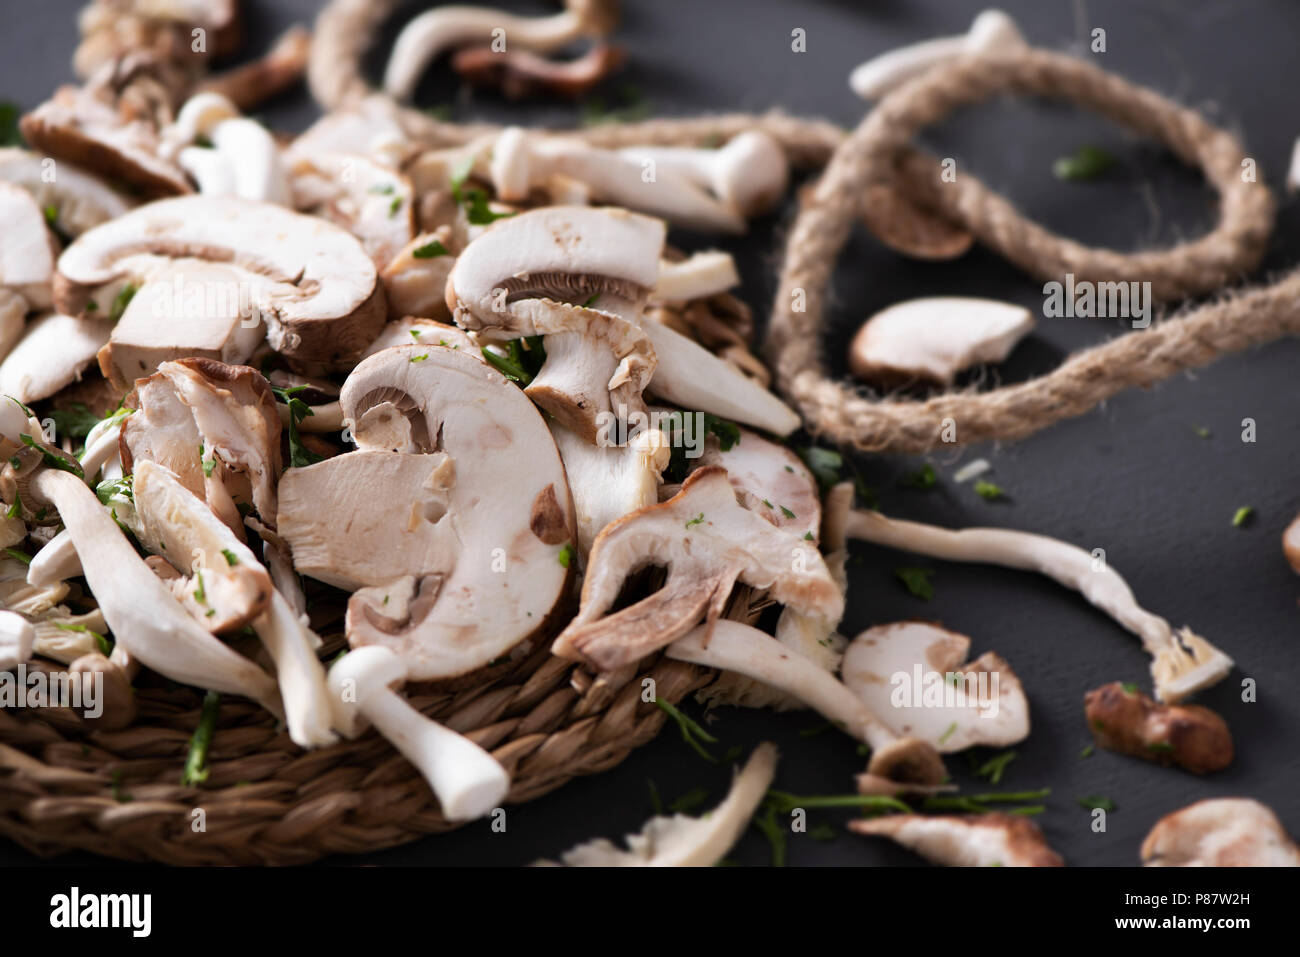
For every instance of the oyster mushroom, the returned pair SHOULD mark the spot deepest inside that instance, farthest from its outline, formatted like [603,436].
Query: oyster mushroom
[951,705]
[310,281]
[433,32]
[457,511]
[984,840]
[1123,719]
[682,841]
[1220,832]
[468,781]
[748,174]
[708,541]
[79,200]
[1182,661]
[735,647]
[54,351]
[27,249]
[931,340]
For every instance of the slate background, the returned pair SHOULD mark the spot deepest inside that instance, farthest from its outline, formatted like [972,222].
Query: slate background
[1133,477]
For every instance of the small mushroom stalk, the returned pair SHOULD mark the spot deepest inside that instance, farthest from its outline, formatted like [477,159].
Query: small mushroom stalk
[733,646]
[468,781]
[1182,661]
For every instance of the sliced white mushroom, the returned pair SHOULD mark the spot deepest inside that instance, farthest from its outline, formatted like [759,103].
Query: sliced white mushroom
[54,351]
[468,782]
[708,541]
[415,279]
[243,158]
[310,281]
[982,840]
[931,340]
[991,32]
[914,674]
[78,199]
[748,174]
[1182,661]
[682,841]
[27,249]
[16,638]
[771,481]
[370,199]
[424,332]
[696,277]
[451,517]
[446,27]
[1220,832]
[736,647]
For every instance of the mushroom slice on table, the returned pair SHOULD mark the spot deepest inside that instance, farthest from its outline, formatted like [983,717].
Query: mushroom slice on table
[1182,661]
[224,587]
[310,281]
[1220,832]
[683,841]
[216,428]
[931,340]
[435,31]
[740,648]
[708,541]
[27,249]
[54,351]
[983,840]
[1123,719]
[950,703]
[450,520]
[78,199]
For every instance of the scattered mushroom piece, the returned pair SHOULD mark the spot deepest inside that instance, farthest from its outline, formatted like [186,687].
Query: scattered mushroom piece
[79,200]
[13,319]
[990,32]
[771,481]
[370,199]
[309,280]
[274,72]
[696,277]
[984,840]
[953,704]
[242,159]
[733,646]
[1182,661]
[1220,832]
[366,127]
[16,638]
[54,351]
[1291,544]
[520,74]
[931,340]
[1123,719]
[424,332]
[910,229]
[748,174]
[443,28]
[682,841]
[456,507]
[56,562]
[415,279]
[64,636]
[708,541]
[119,706]
[27,249]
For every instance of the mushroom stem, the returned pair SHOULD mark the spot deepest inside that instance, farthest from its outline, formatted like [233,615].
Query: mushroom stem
[323,418]
[704,274]
[102,445]
[301,677]
[468,781]
[1183,662]
[16,638]
[143,614]
[56,562]
[749,174]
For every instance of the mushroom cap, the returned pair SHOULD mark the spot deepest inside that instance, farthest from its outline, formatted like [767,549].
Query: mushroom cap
[951,715]
[314,285]
[458,477]
[1220,832]
[932,339]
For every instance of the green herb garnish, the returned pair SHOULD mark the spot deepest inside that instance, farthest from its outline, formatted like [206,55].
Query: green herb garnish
[196,771]
[1086,163]
[923,478]
[989,491]
[121,301]
[299,454]
[917,581]
[1096,803]
[1243,516]
[691,731]
[697,520]
[996,766]
[430,250]
[566,555]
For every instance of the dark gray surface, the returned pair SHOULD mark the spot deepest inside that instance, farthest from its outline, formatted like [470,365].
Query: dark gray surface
[1133,478]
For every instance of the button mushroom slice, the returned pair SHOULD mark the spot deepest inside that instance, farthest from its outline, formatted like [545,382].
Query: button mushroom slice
[425,332]
[309,280]
[748,174]
[435,31]
[520,73]
[1123,719]
[370,199]
[914,674]
[1220,832]
[225,588]
[931,340]
[454,546]
[524,160]
[216,427]
[609,481]
[145,618]
[16,638]
[78,199]
[733,646]
[27,249]
[200,310]
[1182,661]
[708,541]
[984,840]
[80,127]
[682,841]
[771,481]
[54,352]
[697,277]
[415,279]
[468,782]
